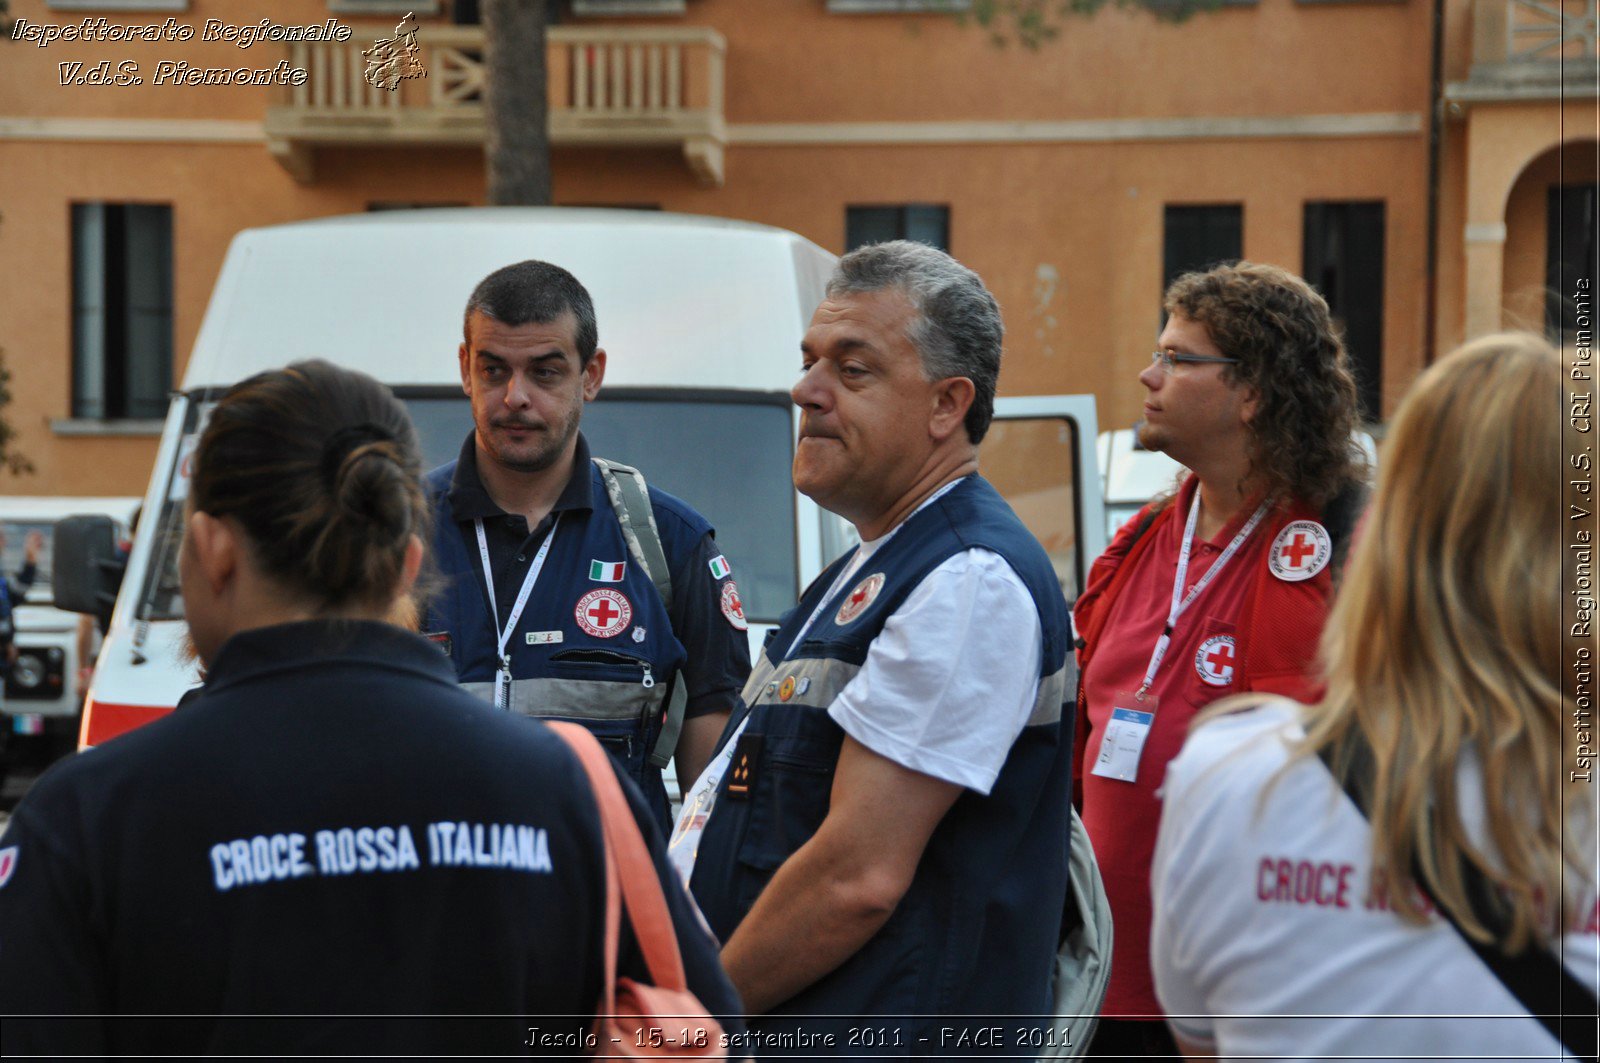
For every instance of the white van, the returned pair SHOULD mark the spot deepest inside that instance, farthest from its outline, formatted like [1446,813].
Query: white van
[701,319]
[41,696]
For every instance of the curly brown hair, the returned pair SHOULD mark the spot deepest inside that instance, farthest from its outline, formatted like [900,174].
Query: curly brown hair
[1290,351]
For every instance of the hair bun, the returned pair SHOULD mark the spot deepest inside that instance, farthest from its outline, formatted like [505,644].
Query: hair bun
[338,446]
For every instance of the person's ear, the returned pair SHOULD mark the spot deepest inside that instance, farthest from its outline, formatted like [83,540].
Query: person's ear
[952,398]
[1250,405]
[411,565]
[405,611]
[464,356]
[216,548]
[594,374]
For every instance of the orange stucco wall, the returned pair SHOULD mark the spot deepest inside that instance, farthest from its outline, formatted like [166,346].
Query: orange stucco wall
[1068,234]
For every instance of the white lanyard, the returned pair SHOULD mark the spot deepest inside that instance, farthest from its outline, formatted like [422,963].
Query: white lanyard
[502,677]
[1180,602]
[863,553]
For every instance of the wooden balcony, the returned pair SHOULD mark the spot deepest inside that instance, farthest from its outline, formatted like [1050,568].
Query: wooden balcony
[609,87]
[1530,50]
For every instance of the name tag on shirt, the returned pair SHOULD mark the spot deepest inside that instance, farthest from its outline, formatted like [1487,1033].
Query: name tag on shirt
[1124,738]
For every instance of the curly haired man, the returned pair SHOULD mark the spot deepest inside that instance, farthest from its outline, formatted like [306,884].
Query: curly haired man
[1220,588]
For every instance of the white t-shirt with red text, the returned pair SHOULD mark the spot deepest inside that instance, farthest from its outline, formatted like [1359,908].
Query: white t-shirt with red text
[1267,939]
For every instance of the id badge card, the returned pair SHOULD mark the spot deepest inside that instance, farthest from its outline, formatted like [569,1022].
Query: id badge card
[684,845]
[1124,738]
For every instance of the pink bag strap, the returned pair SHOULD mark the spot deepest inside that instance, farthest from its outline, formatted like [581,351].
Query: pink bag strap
[628,863]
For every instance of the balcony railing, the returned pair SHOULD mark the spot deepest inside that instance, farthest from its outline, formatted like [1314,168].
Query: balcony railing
[608,87]
[1531,49]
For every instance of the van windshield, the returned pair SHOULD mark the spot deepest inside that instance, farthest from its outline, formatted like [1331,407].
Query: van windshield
[13,556]
[727,456]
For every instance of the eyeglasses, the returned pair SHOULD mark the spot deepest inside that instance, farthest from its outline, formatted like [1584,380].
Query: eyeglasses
[1168,360]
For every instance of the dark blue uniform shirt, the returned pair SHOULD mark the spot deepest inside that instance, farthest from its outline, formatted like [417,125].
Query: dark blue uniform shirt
[331,828]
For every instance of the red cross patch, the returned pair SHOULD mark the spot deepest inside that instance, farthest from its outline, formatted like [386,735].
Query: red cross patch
[732,607]
[603,613]
[1301,550]
[861,596]
[8,863]
[1214,660]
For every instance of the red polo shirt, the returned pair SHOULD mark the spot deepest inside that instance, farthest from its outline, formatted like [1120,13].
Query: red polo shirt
[1122,817]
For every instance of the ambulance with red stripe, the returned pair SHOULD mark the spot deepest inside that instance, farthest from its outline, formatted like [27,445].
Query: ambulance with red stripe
[701,319]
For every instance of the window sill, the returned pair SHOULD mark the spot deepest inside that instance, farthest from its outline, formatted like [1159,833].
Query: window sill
[88,426]
[117,5]
[617,8]
[898,7]
[420,8]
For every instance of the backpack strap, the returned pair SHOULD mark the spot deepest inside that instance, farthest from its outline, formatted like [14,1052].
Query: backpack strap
[1540,982]
[630,500]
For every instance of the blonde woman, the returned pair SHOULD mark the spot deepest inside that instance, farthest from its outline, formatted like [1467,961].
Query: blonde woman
[1288,924]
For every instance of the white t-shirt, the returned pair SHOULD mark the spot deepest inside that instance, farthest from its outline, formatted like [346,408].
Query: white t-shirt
[951,679]
[1263,943]
[946,688]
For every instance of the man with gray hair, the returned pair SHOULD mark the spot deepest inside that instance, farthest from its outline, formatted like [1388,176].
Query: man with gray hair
[883,830]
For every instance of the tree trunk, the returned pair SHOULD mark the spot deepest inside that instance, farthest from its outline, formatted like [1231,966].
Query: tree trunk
[517,145]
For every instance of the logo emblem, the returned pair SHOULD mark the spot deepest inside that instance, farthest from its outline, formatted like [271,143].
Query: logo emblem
[603,613]
[8,863]
[606,571]
[719,567]
[638,634]
[857,600]
[1301,550]
[1214,660]
[732,608]
[393,60]
[786,689]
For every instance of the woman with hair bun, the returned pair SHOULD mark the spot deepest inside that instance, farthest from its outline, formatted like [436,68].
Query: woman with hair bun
[332,848]
[1312,859]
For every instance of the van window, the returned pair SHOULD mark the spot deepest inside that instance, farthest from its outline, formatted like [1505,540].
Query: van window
[1033,463]
[727,457]
[14,555]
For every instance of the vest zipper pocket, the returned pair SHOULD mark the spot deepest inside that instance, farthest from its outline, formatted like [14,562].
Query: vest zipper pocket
[608,658]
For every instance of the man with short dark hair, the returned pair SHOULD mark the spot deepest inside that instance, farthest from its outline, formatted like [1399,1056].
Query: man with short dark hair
[884,830]
[1220,589]
[549,607]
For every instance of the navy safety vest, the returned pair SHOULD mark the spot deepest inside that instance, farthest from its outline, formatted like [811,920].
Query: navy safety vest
[613,684]
[976,934]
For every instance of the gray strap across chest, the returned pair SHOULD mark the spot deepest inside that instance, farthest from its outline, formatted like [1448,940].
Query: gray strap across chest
[630,500]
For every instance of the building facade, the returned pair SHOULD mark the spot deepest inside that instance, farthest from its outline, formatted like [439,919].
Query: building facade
[1429,201]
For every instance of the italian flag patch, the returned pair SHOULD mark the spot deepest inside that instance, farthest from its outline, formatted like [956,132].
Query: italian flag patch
[719,567]
[606,571]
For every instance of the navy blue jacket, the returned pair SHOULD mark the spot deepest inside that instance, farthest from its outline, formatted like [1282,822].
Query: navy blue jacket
[976,933]
[588,647]
[332,827]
